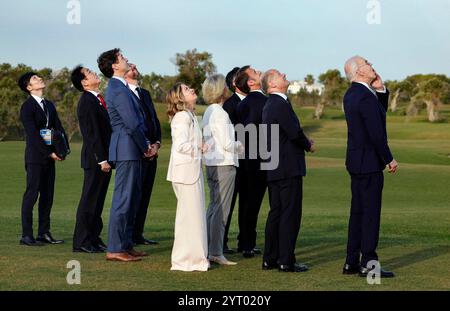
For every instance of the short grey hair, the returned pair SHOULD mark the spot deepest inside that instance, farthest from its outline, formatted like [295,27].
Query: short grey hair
[213,89]
[266,79]
[351,67]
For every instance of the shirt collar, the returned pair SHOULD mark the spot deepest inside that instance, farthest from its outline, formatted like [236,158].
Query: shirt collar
[37,98]
[94,93]
[121,79]
[280,94]
[133,87]
[367,86]
[241,97]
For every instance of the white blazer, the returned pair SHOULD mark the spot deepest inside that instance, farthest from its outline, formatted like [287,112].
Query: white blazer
[218,133]
[185,165]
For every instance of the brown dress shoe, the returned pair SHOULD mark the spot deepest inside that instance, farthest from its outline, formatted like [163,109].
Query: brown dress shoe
[136,253]
[121,257]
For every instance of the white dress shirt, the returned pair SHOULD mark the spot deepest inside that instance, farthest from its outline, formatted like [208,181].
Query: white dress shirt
[133,88]
[241,96]
[121,79]
[371,89]
[39,100]
[218,133]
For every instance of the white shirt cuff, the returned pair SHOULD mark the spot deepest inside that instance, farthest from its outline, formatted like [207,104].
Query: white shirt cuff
[102,162]
[382,91]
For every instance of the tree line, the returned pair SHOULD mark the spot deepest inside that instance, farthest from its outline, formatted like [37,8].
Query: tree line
[408,97]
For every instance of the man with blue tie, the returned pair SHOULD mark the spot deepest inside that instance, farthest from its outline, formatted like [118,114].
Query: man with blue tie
[368,154]
[127,148]
[285,180]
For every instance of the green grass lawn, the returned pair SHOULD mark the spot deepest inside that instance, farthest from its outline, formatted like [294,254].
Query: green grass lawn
[414,241]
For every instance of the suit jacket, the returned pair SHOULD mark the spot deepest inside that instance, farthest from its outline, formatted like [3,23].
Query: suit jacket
[249,111]
[152,123]
[230,106]
[367,145]
[95,128]
[292,141]
[185,165]
[34,119]
[128,141]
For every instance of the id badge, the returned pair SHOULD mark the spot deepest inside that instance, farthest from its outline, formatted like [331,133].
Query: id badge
[46,135]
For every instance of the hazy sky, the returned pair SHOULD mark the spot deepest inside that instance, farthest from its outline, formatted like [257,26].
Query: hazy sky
[295,36]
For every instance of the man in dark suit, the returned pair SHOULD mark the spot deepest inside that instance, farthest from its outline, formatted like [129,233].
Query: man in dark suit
[127,148]
[368,153]
[252,180]
[95,128]
[230,106]
[149,164]
[285,179]
[37,115]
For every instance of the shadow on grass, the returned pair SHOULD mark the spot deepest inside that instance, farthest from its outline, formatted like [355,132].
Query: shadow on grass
[416,257]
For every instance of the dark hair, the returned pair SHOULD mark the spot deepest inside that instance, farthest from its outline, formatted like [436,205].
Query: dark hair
[230,77]
[77,76]
[24,80]
[241,80]
[106,60]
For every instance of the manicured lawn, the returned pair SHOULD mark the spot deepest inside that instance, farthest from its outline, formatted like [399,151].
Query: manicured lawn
[414,241]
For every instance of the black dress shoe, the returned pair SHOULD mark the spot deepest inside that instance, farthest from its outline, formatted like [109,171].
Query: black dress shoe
[383,273]
[87,249]
[257,251]
[47,238]
[30,241]
[101,243]
[101,247]
[296,267]
[248,254]
[351,269]
[227,250]
[268,266]
[144,241]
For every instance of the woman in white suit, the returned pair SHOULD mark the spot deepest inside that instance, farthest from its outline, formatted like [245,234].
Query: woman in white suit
[190,247]
[221,160]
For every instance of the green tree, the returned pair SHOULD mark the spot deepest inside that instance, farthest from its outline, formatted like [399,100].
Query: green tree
[334,89]
[194,67]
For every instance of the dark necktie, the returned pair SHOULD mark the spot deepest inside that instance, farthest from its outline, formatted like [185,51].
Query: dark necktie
[102,101]
[47,116]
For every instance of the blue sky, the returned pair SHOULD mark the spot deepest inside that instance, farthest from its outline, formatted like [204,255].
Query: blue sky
[296,36]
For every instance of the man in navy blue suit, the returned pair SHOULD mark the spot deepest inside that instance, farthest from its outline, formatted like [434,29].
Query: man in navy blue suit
[368,154]
[230,106]
[127,148]
[285,180]
[252,180]
[149,164]
[38,114]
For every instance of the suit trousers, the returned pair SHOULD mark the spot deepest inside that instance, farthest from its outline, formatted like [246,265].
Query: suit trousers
[40,183]
[364,223]
[221,188]
[148,179]
[283,221]
[233,203]
[89,222]
[252,187]
[125,203]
